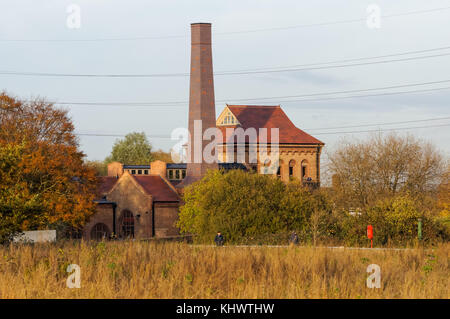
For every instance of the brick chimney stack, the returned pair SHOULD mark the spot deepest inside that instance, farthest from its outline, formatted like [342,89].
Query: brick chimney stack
[201,101]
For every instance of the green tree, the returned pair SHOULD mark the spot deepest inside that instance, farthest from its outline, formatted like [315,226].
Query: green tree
[394,220]
[133,149]
[162,156]
[100,167]
[245,205]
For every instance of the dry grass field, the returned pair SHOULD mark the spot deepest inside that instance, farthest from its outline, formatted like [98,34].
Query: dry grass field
[176,270]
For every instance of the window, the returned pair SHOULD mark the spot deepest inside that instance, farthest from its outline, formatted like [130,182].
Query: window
[183,173]
[145,171]
[133,171]
[127,224]
[291,168]
[279,171]
[228,119]
[177,174]
[170,174]
[304,169]
[140,172]
[99,231]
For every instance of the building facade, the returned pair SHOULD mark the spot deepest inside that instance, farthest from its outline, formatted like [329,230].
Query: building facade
[297,151]
[134,206]
[142,201]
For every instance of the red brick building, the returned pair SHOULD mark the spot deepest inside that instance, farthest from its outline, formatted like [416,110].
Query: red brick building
[134,206]
[298,152]
[142,201]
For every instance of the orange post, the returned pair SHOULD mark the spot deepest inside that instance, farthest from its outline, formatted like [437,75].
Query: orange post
[370,234]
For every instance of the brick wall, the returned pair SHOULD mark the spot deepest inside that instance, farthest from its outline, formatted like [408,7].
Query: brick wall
[166,215]
[129,196]
[104,214]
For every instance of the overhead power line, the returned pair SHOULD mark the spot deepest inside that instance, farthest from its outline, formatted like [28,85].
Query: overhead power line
[368,95]
[346,60]
[181,36]
[344,92]
[379,124]
[312,68]
[322,133]
[309,25]
[221,73]
[280,99]
[384,130]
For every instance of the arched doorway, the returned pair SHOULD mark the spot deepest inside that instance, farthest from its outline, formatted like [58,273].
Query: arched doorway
[100,231]
[127,224]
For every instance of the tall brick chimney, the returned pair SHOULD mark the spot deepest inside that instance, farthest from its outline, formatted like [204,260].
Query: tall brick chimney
[201,101]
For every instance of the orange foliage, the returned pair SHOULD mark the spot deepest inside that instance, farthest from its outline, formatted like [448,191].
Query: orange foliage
[51,164]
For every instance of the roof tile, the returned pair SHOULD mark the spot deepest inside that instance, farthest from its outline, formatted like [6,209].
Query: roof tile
[154,185]
[260,116]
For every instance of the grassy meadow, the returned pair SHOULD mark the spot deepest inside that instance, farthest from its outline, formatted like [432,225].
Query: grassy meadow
[176,270]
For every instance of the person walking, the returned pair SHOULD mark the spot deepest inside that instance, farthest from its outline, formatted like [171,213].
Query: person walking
[294,238]
[219,239]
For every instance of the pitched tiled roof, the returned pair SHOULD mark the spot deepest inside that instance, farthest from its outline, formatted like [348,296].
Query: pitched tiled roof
[105,184]
[154,185]
[257,116]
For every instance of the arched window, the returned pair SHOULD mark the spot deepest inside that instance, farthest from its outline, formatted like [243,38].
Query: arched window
[291,168]
[304,169]
[127,224]
[100,231]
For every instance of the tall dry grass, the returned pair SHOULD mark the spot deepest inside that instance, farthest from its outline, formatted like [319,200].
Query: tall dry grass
[175,270]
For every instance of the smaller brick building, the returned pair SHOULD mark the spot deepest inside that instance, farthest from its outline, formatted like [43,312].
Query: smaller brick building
[134,206]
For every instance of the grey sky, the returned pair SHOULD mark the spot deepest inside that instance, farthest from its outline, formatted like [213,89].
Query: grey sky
[45,19]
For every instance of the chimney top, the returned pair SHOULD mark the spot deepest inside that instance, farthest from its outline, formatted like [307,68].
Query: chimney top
[201,33]
[200,23]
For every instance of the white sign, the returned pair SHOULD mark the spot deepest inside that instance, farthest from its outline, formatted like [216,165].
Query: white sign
[36,236]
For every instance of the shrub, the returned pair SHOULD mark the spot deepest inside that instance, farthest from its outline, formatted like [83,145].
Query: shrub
[246,205]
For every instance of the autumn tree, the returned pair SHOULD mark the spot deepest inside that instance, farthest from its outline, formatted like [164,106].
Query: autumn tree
[133,149]
[19,208]
[443,200]
[46,165]
[384,166]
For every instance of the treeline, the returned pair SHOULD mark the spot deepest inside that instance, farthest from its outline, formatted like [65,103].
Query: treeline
[133,149]
[44,182]
[389,182]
